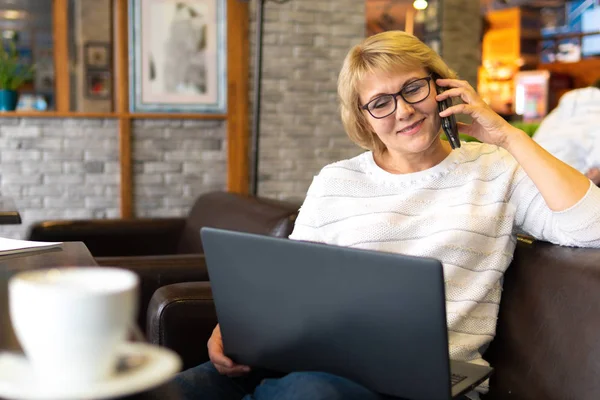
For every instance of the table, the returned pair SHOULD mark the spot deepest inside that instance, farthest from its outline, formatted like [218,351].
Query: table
[71,254]
[8,212]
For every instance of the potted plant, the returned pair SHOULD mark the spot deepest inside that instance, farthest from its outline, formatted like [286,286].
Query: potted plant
[13,73]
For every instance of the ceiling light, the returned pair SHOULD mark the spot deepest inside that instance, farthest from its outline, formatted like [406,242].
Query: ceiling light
[420,4]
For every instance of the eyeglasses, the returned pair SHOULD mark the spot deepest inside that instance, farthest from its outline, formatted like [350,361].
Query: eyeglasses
[414,92]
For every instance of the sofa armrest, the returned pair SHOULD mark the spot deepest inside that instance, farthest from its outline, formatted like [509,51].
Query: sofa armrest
[114,237]
[182,318]
[158,271]
[546,346]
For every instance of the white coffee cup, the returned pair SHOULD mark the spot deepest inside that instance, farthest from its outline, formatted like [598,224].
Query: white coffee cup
[70,321]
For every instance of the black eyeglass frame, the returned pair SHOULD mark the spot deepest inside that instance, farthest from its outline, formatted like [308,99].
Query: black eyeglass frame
[395,97]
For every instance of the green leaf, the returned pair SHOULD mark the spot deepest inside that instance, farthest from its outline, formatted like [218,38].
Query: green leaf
[13,72]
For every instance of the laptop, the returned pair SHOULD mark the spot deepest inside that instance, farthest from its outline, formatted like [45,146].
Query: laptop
[376,318]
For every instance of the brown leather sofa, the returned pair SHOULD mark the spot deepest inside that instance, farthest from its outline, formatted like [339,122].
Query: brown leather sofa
[548,338]
[164,251]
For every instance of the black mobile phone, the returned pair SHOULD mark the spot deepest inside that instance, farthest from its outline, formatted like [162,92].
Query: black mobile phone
[448,123]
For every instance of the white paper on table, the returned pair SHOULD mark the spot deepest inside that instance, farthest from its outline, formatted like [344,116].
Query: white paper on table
[13,246]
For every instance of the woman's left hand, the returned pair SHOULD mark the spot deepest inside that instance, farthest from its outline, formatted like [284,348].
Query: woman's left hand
[487,126]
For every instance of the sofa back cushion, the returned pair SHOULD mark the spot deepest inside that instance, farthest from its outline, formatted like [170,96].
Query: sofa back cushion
[239,213]
[547,345]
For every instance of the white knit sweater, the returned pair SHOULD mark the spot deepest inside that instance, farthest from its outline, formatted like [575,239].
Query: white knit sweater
[465,212]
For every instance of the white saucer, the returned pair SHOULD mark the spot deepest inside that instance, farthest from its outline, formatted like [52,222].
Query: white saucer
[143,367]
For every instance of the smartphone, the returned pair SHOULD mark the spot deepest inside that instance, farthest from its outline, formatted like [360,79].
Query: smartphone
[448,123]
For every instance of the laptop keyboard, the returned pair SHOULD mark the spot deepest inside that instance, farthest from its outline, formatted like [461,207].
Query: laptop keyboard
[455,378]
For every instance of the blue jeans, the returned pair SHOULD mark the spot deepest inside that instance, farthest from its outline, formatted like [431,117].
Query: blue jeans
[205,383]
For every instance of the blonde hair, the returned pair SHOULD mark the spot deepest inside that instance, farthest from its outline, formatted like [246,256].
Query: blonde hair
[387,52]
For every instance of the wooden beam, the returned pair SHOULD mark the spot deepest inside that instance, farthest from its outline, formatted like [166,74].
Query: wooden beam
[237,96]
[60,27]
[122,105]
[121,40]
[126,168]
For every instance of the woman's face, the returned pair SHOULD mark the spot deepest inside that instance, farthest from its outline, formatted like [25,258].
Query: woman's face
[413,128]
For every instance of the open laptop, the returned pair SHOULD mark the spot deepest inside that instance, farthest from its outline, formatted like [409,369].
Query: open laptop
[376,318]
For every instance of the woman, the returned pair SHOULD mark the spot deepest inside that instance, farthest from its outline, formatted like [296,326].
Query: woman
[412,194]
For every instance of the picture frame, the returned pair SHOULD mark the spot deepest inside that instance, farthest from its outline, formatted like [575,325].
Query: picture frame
[97,55]
[178,56]
[98,84]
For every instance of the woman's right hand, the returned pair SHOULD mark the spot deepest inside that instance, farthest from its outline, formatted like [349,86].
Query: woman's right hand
[222,363]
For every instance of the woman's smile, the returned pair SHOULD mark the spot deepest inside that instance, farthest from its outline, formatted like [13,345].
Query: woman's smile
[412,129]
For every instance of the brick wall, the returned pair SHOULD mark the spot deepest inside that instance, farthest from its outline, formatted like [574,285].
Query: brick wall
[174,162]
[305,43]
[65,169]
[55,168]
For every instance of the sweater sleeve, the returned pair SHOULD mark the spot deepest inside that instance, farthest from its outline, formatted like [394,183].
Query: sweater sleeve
[306,227]
[577,226]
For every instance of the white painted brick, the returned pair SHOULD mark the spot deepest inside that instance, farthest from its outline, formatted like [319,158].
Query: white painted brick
[53,131]
[20,131]
[158,167]
[112,192]
[162,213]
[150,179]
[22,179]
[209,156]
[63,155]
[180,202]
[203,124]
[13,191]
[44,190]
[193,167]
[99,202]
[81,213]
[63,179]
[10,121]
[11,143]
[63,202]
[42,214]
[10,167]
[145,133]
[81,123]
[103,179]
[112,167]
[8,231]
[174,179]
[112,213]
[70,167]
[156,123]
[100,154]
[184,155]
[160,144]
[322,6]
[29,202]
[88,189]
[147,154]
[154,191]
[20,155]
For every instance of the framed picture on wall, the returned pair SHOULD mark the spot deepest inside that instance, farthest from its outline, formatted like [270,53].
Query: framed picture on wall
[177,57]
[98,84]
[97,55]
